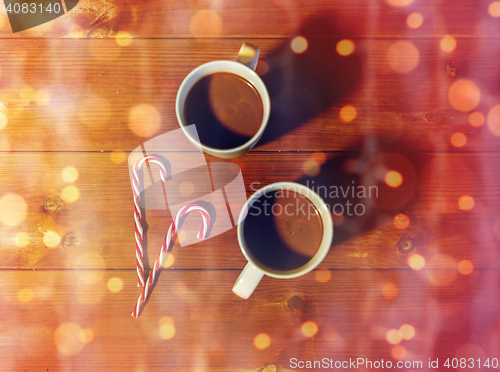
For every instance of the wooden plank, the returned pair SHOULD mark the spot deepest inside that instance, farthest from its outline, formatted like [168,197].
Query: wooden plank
[98,225]
[77,95]
[263,19]
[46,312]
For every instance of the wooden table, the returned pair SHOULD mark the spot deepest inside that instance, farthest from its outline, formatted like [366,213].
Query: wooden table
[388,290]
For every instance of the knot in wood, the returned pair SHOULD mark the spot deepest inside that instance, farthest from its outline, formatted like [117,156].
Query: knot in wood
[296,303]
[407,245]
[53,204]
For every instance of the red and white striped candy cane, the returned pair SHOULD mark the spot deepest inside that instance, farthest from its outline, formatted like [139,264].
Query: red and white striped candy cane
[139,232]
[167,247]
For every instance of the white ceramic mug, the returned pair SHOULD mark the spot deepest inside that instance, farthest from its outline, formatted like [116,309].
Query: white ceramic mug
[255,270]
[243,67]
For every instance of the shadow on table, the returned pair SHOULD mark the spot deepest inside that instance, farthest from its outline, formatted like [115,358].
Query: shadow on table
[303,84]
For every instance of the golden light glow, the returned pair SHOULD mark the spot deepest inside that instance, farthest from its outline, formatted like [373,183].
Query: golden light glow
[262,341]
[393,336]
[167,328]
[86,336]
[117,156]
[458,139]
[466,202]
[144,120]
[407,331]
[311,168]
[123,38]
[186,188]
[3,120]
[22,240]
[170,261]
[299,44]
[414,20]
[70,174]
[393,178]
[416,262]
[398,352]
[13,209]
[448,44]
[270,368]
[476,119]
[67,339]
[70,194]
[115,284]
[465,267]
[389,291]
[42,97]
[348,113]
[494,9]
[28,93]
[319,157]
[51,239]
[205,23]
[401,221]
[2,22]
[400,2]
[345,47]
[309,328]
[493,120]
[323,275]
[403,56]
[25,294]
[464,95]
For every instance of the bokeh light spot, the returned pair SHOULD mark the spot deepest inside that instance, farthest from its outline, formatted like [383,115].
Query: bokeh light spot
[25,295]
[117,156]
[70,174]
[169,262]
[167,328]
[323,275]
[22,240]
[205,24]
[144,120]
[311,168]
[466,202]
[86,335]
[345,47]
[448,44]
[350,166]
[393,336]
[115,284]
[407,331]
[42,97]
[464,95]
[309,328]
[400,2]
[403,56]
[465,267]
[319,157]
[476,119]
[401,221]
[416,262]
[348,113]
[13,209]
[393,178]
[414,20]
[494,9]
[67,339]
[51,239]
[493,120]
[458,139]
[389,291]
[299,44]
[3,120]
[398,352]
[262,341]
[123,38]
[70,194]
[262,68]
[337,217]
[28,93]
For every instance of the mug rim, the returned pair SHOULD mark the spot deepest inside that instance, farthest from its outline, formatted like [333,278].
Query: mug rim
[260,87]
[327,224]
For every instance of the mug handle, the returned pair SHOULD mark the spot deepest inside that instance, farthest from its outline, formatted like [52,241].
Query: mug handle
[248,55]
[248,280]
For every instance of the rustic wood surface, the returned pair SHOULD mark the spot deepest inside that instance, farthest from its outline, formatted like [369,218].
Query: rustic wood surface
[68,89]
